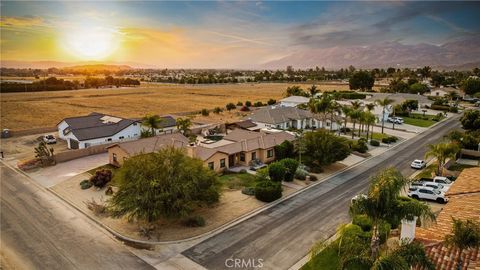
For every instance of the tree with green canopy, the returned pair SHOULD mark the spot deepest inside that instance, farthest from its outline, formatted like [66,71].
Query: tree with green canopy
[164,184]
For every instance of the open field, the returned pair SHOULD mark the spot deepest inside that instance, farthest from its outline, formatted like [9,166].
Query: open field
[40,109]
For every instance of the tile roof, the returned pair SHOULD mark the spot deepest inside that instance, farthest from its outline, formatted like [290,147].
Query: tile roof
[467,182]
[152,144]
[245,124]
[446,258]
[167,121]
[279,115]
[96,125]
[464,204]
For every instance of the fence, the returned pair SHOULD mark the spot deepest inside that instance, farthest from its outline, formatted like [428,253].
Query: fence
[32,131]
[74,154]
[470,153]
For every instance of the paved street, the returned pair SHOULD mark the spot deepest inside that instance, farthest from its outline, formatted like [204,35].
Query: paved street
[39,231]
[283,234]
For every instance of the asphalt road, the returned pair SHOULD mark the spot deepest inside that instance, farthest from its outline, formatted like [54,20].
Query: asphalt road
[39,231]
[282,235]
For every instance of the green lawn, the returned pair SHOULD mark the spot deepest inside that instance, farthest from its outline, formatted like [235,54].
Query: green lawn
[237,180]
[427,172]
[379,136]
[417,119]
[327,259]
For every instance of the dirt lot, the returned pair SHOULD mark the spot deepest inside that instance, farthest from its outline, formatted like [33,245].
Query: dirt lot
[22,148]
[233,204]
[43,109]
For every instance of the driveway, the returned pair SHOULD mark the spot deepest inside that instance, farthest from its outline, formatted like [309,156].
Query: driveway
[50,176]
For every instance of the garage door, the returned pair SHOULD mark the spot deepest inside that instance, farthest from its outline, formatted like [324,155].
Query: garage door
[73,144]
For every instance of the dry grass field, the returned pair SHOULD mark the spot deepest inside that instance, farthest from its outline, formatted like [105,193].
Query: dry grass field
[45,109]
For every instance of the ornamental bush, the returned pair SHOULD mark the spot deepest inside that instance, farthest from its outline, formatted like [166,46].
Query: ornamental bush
[194,221]
[374,143]
[101,178]
[291,166]
[268,191]
[276,171]
[301,174]
[363,221]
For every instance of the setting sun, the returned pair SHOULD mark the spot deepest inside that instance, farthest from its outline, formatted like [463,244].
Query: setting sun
[91,43]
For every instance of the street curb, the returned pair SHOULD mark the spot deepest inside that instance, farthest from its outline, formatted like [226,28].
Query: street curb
[150,244]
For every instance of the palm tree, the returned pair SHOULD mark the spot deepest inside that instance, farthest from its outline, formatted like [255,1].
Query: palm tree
[354,116]
[384,103]
[369,120]
[346,110]
[465,235]
[153,122]
[441,151]
[383,203]
[320,106]
[183,125]
[313,90]
[333,109]
[451,95]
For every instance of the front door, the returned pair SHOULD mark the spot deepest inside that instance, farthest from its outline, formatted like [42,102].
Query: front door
[231,160]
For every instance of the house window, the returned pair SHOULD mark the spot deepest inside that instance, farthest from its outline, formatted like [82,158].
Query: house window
[270,153]
[114,157]
[328,124]
[134,124]
[254,155]
[121,137]
[222,163]
[210,165]
[278,126]
[109,139]
[242,156]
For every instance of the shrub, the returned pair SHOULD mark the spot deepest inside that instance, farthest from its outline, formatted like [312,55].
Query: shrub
[97,208]
[239,103]
[313,178]
[303,167]
[316,169]
[244,109]
[248,191]
[85,184]
[389,139]
[453,109]
[217,110]
[301,174]
[248,103]
[284,150]
[363,221]
[374,143]
[204,112]
[440,107]
[276,171]
[258,104]
[194,221]
[271,101]
[291,166]
[345,130]
[359,146]
[230,106]
[101,178]
[268,191]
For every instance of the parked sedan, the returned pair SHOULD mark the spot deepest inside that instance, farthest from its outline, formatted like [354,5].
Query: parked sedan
[418,164]
[49,139]
[427,193]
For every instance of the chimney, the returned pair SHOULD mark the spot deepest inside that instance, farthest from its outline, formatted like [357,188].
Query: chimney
[191,148]
[407,233]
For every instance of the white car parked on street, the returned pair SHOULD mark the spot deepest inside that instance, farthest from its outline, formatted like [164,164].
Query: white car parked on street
[418,164]
[427,193]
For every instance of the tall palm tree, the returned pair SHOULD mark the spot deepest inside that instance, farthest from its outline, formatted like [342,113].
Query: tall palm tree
[451,95]
[333,109]
[441,151]
[383,203]
[384,103]
[152,122]
[354,116]
[369,120]
[346,110]
[465,235]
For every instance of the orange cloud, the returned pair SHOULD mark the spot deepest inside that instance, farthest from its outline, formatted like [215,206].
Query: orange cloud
[21,21]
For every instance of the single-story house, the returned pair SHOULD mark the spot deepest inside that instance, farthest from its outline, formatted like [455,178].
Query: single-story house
[167,124]
[238,148]
[464,199]
[97,128]
[293,101]
[443,91]
[288,117]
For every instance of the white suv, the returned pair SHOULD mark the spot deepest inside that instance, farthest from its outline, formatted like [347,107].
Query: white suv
[427,193]
[418,164]
[396,120]
[437,186]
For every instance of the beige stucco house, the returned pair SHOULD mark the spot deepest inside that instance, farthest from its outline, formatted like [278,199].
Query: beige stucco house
[238,148]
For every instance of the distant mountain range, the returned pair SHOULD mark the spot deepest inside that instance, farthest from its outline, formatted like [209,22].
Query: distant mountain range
[460,54]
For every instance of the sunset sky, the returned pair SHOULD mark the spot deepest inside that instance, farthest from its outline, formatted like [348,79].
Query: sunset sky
[219,34]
